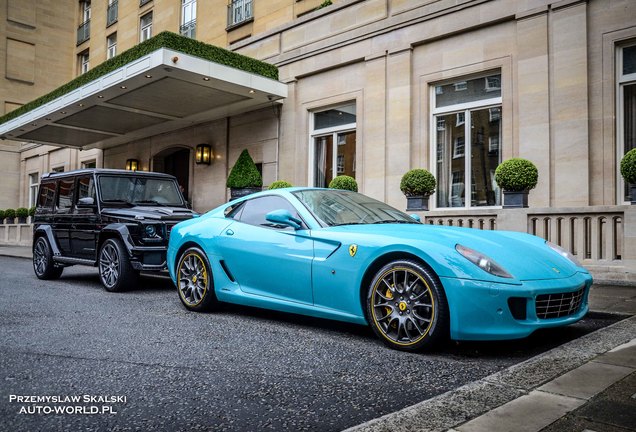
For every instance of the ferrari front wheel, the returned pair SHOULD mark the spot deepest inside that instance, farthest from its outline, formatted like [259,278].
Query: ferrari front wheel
[194,281]
[406,306]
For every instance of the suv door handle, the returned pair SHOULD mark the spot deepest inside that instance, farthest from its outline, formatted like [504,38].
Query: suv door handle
[229,232]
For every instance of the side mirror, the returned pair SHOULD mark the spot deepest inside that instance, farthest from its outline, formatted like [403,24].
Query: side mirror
[283,217]
[416,217]
[86,202]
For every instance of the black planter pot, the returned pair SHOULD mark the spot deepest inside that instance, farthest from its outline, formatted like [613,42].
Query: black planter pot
[632,193]
[515,199]
[417,203]
[22,219]
[241,192]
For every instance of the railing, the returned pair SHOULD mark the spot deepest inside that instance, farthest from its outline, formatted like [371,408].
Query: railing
[238,11]
[84,32]
[598,236]
[111,13]
[189,29]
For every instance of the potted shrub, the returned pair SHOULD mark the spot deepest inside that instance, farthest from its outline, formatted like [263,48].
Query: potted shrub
[628,171]
[417,184]
[244,178]
[280,184]
[344,182]
[9,214]
[516,177]
[22,213]
[32,213]
[2,216]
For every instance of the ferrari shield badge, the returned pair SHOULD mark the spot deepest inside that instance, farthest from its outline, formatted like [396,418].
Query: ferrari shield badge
[353,249]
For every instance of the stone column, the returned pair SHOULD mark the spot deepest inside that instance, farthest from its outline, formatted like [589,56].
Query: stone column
[372,177]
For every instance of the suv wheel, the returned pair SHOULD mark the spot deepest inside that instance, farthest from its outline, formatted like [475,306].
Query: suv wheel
[115,270]
[43,264]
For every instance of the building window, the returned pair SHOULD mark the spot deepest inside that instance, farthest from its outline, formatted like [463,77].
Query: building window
[83,60]
[89,164]
[111,46]
[58,169]
[84,30]
[111,12]
[145,27]
[34,183]
[467,147]
[333,142]
[143,2]
[626,109]
[239,11]
[188,18]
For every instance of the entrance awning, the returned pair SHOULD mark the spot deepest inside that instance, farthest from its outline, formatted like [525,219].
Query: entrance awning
[162,91]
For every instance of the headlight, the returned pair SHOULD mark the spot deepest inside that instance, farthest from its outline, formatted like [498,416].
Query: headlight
[151,231]
[482,261]
[558,249]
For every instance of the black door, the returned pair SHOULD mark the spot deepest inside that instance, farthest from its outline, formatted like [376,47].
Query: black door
[178,165]
[84,231]
[63,216]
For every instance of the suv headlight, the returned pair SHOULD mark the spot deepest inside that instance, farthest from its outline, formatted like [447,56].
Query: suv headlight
[482,261]
[564,253]
[150,231]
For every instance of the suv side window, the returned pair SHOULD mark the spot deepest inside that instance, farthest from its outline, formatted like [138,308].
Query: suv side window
[65,195]
[46,199]
[85,188]
[254,210]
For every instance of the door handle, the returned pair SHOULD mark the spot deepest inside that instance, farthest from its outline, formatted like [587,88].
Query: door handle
[229,232]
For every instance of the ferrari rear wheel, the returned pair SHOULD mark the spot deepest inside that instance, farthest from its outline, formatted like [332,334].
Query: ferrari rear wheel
[194,281]
[406,306]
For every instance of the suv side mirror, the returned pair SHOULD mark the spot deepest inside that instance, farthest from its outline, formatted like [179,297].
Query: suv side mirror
[283,217]
[86,202]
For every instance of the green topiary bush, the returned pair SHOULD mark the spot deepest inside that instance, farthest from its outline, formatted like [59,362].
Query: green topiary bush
[516,175]
[9,214]
[280,184]
[344,182]
[628,166]
[418,182]
[2,216]
[32,211]
[244,173]
[22,212]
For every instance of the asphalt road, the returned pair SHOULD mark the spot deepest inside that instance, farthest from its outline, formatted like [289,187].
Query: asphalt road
[239,369]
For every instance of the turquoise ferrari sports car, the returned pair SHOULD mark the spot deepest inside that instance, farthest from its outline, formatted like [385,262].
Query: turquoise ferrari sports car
[341,255]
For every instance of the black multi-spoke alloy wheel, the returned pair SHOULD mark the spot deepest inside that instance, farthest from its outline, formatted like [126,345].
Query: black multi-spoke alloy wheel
[407,307]
[115,270]
[194,281]
[43,264]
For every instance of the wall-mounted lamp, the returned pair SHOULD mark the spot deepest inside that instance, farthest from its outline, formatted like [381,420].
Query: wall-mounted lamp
[203,154]
[132,164]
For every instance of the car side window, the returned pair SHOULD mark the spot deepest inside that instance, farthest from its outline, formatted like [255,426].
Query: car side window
[85,188]
[65,195]
[46,199]
[253,211]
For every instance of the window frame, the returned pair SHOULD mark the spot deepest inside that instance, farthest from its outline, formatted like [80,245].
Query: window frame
[33,188]
[143,28]
[466,108]
[332,131]
[111,45]
[84,60]
[621,82]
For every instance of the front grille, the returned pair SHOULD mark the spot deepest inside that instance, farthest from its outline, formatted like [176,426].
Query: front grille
[559,305]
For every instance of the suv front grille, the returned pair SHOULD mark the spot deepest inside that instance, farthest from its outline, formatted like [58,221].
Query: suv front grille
[559,305]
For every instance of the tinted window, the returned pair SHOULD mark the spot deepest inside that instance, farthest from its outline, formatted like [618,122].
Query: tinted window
[65,196]
[85,187]
[254,211]
[47,194]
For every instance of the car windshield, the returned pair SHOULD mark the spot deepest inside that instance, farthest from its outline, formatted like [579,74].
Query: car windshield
[338,207]
[129,190]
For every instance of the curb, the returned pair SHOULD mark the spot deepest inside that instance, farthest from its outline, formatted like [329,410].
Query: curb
[456,407]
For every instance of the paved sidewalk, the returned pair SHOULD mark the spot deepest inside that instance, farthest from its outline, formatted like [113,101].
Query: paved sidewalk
[586,385]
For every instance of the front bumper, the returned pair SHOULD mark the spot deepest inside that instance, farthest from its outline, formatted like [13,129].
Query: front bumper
[483,310]
[148,258]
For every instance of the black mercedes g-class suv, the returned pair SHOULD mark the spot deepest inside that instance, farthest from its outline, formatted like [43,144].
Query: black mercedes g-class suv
[116,220]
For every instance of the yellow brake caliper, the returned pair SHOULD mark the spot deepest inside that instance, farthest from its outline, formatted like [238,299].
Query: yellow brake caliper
[389,295]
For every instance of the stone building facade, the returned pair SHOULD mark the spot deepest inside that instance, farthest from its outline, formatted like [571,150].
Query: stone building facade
[377,87]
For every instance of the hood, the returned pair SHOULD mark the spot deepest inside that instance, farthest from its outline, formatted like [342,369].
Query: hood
[524,256]
[150,212]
